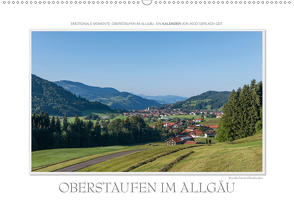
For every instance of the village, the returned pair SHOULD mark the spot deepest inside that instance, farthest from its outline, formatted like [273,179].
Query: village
[189,134]
[165,114]
[180,126]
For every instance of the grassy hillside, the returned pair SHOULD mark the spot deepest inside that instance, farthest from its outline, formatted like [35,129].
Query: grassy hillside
[243,155]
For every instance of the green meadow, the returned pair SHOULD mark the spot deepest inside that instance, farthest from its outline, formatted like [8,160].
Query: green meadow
[211,121]
[186,116]
[45,157]
[94,112]
[242,155]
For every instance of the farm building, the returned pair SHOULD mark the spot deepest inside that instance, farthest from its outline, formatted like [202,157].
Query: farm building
[196,133]
[179,140]
[174,141]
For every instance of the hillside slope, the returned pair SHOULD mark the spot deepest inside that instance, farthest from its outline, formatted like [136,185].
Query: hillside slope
[48,97]
[210,100]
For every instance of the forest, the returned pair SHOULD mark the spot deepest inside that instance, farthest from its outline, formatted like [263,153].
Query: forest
[48,97]
[242,113]
[50,134]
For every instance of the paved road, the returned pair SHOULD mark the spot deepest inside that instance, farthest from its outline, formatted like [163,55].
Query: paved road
[94,161]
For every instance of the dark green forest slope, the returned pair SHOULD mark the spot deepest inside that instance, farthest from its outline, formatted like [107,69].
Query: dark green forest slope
[48,97]
[210,100]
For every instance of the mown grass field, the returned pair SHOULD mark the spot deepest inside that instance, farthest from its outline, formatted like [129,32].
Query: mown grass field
[211,121]
[243,155]
[45,157]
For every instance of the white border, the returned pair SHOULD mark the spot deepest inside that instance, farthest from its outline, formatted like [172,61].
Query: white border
[263,173]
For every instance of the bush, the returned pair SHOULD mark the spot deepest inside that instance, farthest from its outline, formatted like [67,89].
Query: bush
[91,117]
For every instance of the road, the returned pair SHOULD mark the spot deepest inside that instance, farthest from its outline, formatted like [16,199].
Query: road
[88,163]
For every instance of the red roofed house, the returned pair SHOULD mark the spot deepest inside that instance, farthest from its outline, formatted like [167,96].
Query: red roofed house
[196,133]
[174,141]
[191,127]
[188,130]
[179,140]
[213,126]
[218,116]
[170,125]
[198,120]
[186,137]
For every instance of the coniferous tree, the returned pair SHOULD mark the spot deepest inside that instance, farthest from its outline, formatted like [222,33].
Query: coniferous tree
[97,134]
[58,125]
[34,144]
[231,117]
[253,107]
[65,124]
[52,124]
[46,120]
[245,105]
[239,115]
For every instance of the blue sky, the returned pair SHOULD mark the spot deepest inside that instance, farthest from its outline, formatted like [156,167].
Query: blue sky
[151,63]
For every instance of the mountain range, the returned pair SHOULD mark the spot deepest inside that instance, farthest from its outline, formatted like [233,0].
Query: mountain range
[108,96]
[164,99]
[67,97]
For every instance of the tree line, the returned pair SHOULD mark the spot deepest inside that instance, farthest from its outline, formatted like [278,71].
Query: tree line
[242,113]
[51,134]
